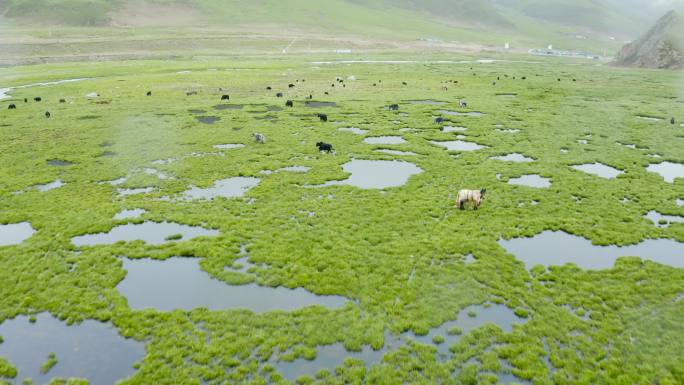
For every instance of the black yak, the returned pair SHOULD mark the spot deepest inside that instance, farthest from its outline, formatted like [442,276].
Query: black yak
[324,147]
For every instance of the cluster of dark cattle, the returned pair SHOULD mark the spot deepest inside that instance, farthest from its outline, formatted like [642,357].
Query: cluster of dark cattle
[323,117]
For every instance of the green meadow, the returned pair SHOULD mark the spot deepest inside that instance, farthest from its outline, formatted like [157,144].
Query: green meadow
[405,257]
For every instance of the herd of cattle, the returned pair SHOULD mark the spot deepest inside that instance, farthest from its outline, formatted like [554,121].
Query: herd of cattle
[464,196]
[323,147]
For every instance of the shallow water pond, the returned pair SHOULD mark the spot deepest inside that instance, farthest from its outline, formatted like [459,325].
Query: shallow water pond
[134,191]
[320,104]
[661,220]
[332,356]
[499,315]
[384,140]
[429,101]
[90,350]
[4,93]
[49,186]
[153,233]
[228,146]
[599,169]
[157,173]
[458,145]
[179,283]
[59,162]
[353,130]
[650,118]
[377,174]
[225,188]
[531,180]
[508,130]
[454,129]
[208,119]
[15,233]
[558,248]
[129,214]
[458,113]
[668,170]
[514,157]
[221,107]
[395,152]
[294,169]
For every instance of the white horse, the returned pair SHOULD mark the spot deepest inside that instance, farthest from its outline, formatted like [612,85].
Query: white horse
[474,196]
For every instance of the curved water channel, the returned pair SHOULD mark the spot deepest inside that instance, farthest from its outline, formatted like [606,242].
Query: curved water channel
[179,283]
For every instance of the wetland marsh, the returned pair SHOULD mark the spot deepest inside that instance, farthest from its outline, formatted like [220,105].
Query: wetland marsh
[358,266]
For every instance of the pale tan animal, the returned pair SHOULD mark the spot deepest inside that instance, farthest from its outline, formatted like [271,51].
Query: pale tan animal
[474,196]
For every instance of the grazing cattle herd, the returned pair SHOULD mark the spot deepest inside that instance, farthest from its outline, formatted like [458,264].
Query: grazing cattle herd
[464,196]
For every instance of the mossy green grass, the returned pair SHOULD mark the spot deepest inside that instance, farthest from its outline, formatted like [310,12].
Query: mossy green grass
[398,253]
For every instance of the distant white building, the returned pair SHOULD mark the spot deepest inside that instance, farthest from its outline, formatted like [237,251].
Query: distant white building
[343,51]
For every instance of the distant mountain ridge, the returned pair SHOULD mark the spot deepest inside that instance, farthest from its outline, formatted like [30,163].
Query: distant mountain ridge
[661,47]
[461,20]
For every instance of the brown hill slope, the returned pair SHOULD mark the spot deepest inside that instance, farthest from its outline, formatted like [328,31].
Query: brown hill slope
[661,47]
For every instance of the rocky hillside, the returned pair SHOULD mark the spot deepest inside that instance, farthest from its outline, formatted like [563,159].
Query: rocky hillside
[661,47]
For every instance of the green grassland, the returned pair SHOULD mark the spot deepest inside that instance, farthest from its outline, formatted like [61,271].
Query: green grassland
[361,244]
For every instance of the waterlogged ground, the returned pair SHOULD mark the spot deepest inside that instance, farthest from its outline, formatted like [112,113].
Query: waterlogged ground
[346,267]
